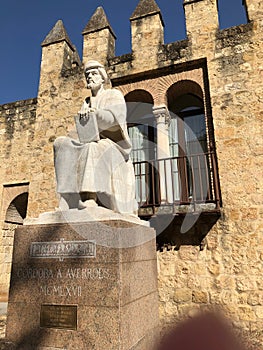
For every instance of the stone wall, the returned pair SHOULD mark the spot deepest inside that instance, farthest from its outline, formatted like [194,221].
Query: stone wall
[227,273]
[17,127]
[60,95]
[17,130]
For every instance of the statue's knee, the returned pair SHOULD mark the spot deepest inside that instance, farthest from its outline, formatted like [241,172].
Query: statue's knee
[59,142]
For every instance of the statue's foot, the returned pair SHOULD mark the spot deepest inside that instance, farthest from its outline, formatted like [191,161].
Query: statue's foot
[90,203]
[72,201]
[81,205]
[87,204]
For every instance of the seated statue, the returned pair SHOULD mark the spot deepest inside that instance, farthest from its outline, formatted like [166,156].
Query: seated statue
[96,169]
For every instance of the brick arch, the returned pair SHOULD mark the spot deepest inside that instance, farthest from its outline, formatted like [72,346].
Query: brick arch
[146,86]
[14,204]
[139,95]
[183,87]
[162,84]
[16,211]
[157,87]
[139,105]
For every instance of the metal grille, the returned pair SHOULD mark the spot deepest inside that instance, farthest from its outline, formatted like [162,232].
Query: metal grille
[187,180]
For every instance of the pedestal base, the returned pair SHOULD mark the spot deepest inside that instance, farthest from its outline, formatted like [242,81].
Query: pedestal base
[70,292]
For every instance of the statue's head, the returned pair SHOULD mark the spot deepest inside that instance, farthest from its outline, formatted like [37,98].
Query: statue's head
[95,74]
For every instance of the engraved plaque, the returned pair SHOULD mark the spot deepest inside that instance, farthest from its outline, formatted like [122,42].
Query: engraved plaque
[63,249]
[58,316]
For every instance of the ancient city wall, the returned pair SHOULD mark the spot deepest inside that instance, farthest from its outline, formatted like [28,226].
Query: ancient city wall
[17,125]
[227,273]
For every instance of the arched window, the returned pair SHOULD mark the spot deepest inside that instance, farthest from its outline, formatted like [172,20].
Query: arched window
[141,125]
[142,131]
[188,126]
[188,143]
[16,211]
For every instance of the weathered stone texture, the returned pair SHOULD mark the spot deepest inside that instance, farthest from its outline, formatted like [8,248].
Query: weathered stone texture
[147,37]
[227,273]
[105,45]
[98,38]
[17,129]
[59,99]
[171,53]
[57,34]
[6,251]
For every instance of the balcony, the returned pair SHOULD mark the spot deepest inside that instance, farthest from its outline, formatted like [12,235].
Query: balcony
[180,196]
[177,185]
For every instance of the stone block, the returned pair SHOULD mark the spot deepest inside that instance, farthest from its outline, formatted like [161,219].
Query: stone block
[214,269]
[183,296]
[245,283]
[200,297]
[188,253]
[255,298]
[246,313]
[107,300]
[259,311]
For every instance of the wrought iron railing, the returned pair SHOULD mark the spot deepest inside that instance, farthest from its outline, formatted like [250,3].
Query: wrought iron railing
[189,180]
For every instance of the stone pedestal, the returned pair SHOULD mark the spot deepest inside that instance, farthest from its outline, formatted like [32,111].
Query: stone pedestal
[89,285]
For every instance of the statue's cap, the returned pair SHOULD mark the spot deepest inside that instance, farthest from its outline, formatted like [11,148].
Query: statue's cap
[93,64]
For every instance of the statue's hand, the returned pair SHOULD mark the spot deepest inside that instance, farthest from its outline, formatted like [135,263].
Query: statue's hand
[85,112]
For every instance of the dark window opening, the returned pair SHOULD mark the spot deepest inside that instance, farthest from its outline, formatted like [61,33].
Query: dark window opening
[142,132]
[16,212]
[191,163]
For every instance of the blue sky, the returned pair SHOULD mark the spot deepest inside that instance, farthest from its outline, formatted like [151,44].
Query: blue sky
[25,23]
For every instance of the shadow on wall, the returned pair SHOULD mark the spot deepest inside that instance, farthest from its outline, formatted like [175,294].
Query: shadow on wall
[173,237]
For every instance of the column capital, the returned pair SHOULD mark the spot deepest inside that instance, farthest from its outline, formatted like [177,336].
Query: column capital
[162,114]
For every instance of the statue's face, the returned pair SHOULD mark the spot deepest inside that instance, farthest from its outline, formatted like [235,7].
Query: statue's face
[94,78]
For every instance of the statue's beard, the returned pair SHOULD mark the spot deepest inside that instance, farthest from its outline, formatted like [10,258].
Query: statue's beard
[93,86]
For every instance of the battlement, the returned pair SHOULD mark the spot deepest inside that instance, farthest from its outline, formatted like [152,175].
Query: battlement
[14,116]
[17,104]
[147,36]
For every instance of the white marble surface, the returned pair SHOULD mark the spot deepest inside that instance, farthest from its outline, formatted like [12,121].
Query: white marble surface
[92,213]
[99,165]
[3,308]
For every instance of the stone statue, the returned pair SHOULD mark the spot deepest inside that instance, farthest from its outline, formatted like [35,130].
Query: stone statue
[96,169]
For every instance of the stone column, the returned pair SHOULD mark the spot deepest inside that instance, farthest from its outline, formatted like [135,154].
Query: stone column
[163,118]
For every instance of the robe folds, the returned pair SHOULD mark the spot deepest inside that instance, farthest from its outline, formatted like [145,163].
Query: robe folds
[101,166]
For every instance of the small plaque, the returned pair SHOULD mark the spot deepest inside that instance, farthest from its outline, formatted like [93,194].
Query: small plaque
[63,249]
[58,316]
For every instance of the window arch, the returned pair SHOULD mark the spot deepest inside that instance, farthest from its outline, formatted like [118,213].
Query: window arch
[17,209]
[188,141]
[142,132]
[141,124]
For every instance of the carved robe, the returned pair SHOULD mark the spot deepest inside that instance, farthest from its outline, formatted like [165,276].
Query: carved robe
[100,166]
